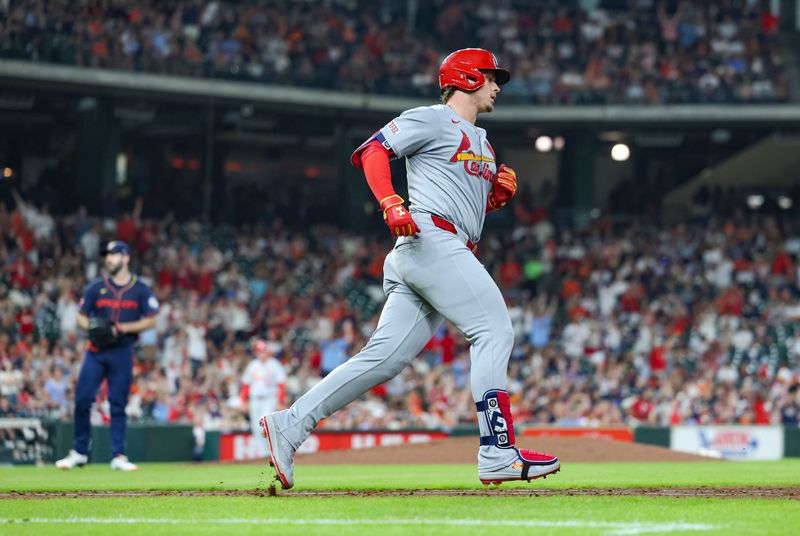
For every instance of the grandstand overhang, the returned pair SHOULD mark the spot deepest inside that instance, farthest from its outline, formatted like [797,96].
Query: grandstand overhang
[319,102]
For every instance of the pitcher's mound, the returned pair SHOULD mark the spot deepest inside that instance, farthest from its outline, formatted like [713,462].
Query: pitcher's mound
[465,450]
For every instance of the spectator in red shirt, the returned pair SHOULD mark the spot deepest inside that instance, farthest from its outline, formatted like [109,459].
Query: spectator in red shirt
[128,223]
[510,270]
[643,406]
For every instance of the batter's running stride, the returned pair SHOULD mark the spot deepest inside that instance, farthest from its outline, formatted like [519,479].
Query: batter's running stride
[432,273]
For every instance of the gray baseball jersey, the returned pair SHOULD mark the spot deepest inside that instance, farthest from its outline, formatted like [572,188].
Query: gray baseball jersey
[449,164]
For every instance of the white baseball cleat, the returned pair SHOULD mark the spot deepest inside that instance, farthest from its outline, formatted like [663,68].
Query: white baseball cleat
[280,453]
[73,459]
[121,463]
[528,465]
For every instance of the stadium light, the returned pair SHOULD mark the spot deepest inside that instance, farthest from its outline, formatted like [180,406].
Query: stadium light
[620,152]
[122,168]
[785,202]
[754,201]
[544,144]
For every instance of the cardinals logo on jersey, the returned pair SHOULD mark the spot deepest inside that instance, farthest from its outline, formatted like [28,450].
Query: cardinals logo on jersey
[475,165]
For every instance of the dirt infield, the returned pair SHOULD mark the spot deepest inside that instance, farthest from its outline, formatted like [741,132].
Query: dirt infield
[465,450]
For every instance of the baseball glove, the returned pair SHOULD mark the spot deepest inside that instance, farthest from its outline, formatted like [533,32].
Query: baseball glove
[102,333]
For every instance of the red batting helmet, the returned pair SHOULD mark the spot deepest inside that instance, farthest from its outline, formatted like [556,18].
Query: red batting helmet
[462,69]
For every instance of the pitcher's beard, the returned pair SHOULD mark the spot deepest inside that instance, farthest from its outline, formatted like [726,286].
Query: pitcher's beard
[114,270]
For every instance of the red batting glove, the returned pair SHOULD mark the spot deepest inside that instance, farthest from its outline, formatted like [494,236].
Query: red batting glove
[397,217]
[504,188]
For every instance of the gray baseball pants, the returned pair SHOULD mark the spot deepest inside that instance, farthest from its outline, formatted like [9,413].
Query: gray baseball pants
[427,278]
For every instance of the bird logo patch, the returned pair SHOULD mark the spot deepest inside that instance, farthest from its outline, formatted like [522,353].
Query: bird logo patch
[475,165]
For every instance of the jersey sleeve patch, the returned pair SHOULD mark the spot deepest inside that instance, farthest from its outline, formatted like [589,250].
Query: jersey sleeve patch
[355,158]
[148,304]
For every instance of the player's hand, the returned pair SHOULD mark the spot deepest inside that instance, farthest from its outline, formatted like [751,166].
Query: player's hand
[504,186]
[399,221]
[397,217]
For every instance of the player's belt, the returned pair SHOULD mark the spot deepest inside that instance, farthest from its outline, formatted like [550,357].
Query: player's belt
[442,223]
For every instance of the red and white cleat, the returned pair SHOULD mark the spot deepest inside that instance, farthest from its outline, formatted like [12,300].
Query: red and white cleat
[527,466]
[280,453]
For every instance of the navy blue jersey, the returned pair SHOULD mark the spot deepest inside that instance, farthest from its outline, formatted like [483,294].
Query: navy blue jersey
[128,303]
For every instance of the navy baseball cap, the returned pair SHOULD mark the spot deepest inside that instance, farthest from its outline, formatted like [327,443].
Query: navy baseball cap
[115,246]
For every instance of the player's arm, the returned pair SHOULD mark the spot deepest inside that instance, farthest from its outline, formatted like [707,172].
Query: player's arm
[85,307]
[280,376]
[137,210]
[83,321]
[282,395]
[504,188]
[413,132]
[244,393]
[137,326]
[373,157]
[247,379]
[148,308]
[100,330]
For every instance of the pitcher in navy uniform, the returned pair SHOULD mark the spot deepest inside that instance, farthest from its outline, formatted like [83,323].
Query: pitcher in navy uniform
[131,307]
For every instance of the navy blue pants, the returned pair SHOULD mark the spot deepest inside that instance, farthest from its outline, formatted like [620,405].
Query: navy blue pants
[117,366]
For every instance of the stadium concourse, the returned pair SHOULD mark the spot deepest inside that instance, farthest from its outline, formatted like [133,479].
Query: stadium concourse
[615,324]
[582,52]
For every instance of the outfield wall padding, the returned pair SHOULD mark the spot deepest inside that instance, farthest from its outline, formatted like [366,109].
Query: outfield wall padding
[144,442]
[461,430]
[652,435]
[791,442]
[174,442]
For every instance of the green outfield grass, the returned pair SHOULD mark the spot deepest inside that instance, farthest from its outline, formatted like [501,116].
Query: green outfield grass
[156,476]
[297,513]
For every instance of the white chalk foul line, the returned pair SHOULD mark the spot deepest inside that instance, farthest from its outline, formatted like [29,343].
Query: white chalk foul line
[609,527]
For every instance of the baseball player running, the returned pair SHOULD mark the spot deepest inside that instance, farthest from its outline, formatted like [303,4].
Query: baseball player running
[432,273]
[114,310]
[264,382]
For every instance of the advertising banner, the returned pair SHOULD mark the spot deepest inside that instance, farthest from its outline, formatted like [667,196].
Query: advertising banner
[617,434]
[730,442]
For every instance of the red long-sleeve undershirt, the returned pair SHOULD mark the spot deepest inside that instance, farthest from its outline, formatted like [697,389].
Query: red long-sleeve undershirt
[375,161]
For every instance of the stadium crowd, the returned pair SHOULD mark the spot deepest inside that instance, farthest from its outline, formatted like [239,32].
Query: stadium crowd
[591,51]
[693,323]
